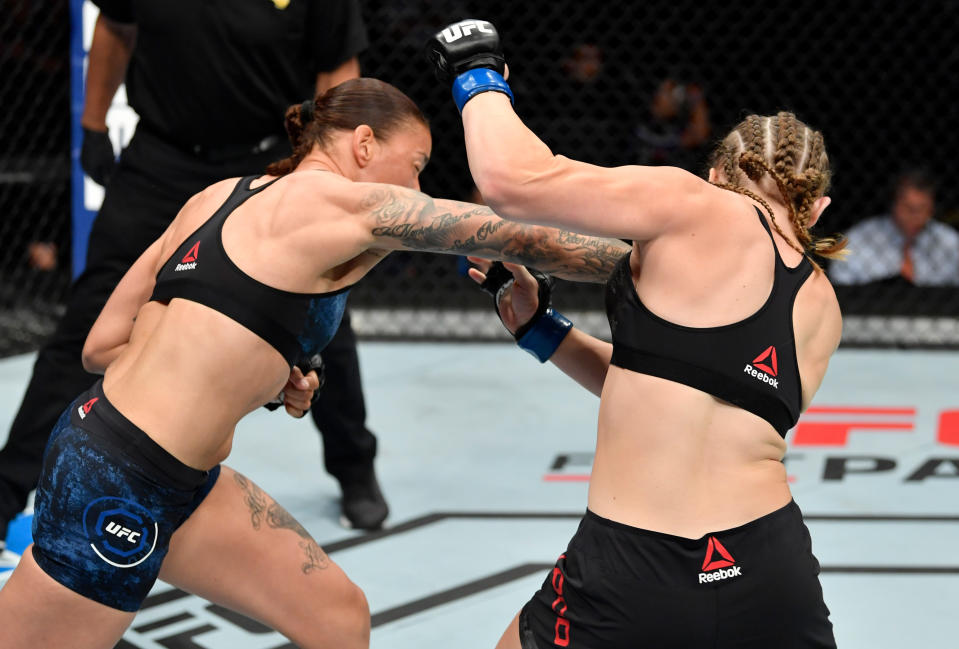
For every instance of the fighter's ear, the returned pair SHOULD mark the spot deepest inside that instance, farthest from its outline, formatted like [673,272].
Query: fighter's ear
[363,145]
[818,207]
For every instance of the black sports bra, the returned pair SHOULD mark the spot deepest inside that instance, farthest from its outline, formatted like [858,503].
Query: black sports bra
[298,325]
[751,363]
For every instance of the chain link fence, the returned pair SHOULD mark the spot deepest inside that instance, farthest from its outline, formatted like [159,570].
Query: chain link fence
[34,170]
[612,83]
[659,83]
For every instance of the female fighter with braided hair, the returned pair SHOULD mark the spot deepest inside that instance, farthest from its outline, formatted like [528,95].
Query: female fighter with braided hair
[722,328]
[250,277]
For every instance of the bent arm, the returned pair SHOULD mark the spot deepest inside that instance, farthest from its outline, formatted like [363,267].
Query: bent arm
[402,218]
[522,180]
[584,358]
[111,332]
[110,53]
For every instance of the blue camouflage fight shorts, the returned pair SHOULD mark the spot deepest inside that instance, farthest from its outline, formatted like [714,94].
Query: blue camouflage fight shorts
[108,501]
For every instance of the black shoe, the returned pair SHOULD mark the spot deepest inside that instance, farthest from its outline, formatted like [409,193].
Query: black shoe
[364,507]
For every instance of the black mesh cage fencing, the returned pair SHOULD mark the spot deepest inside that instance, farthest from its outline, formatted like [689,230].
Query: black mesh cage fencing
[653,82]
[615,83]
[34,170]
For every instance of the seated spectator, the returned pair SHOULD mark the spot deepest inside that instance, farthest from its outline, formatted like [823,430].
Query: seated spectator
[676,128]
[579,106]
[907,244]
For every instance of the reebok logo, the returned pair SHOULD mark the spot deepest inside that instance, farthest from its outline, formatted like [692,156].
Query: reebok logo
[765,367]
[722,567]
[766,361]
[85,408]
[189,259]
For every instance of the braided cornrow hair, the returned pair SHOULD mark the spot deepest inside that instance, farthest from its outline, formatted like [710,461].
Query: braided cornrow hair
[795,158]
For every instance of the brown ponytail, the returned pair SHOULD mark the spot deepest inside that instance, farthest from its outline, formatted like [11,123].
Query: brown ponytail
[379,105]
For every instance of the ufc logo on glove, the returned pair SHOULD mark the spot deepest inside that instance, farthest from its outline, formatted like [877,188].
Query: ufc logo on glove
[463,28]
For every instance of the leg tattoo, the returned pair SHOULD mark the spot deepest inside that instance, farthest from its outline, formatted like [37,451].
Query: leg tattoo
[262,507]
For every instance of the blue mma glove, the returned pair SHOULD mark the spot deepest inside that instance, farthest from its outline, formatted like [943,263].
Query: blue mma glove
[542,334]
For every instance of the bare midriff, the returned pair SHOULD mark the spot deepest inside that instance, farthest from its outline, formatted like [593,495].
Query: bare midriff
[673,459]
[187,377]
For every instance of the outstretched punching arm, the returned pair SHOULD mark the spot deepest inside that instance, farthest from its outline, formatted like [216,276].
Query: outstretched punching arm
[402,218]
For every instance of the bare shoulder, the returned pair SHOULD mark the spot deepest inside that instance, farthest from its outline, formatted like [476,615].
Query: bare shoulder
[200,202]
[691,199]
[670,185]
[817,311]
[315,188]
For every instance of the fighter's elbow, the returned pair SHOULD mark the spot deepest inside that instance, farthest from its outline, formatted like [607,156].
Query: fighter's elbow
[521,193]
[505,194]
[93,358]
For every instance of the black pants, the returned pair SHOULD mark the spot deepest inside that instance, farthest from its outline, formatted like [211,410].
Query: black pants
[153,181]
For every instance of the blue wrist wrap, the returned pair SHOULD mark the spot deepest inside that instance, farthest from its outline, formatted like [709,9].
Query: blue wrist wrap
[473,82]
[545,335]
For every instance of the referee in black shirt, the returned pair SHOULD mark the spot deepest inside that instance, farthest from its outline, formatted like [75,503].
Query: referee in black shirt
[211,82]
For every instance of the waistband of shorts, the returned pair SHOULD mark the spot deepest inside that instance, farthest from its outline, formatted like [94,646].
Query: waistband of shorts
[130,439]
[787,510]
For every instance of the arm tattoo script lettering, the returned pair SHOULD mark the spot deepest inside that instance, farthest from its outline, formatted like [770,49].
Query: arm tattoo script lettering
[418,222]
[265,509]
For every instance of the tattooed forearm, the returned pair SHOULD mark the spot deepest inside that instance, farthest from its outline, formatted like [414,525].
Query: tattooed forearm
[418,222]
[262,507]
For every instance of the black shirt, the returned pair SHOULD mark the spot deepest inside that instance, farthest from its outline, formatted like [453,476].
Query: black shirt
[223,72]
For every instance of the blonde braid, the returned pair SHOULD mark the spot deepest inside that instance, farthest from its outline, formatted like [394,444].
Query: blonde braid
[784,173]
[829,247]
[755,167]
[798,164]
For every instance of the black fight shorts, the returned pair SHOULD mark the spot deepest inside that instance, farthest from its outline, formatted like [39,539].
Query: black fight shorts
[621,587]
[108,501]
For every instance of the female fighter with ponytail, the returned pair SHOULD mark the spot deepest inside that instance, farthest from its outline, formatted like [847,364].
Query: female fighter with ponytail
[249,279]
[722,328]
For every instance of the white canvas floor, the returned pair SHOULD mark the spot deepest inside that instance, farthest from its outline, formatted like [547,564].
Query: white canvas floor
[484,458]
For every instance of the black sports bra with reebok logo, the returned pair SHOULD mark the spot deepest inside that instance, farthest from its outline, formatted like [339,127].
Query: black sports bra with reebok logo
[298,325]
[751,363]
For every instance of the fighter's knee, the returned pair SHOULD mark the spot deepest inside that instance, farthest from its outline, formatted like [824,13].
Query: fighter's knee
[344,624]
[356,616]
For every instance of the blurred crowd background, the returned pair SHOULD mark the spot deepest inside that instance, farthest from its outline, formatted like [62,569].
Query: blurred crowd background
[652,82]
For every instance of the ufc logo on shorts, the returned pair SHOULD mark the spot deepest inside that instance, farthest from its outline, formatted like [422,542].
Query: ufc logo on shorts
[455,32]
[119,531]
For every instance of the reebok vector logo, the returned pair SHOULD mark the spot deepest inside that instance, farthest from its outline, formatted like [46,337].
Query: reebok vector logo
[189,259]
[84,409]
[765,367]
[716,568]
